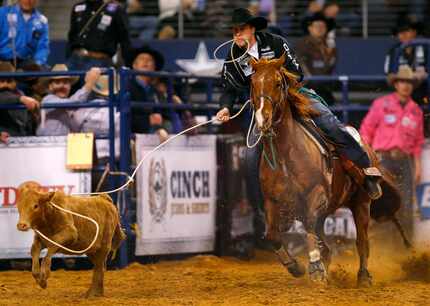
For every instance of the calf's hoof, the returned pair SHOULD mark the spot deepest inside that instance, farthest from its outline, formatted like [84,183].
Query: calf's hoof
[42,282]
[317,272]
[364,279]
[94,293]
[296,269]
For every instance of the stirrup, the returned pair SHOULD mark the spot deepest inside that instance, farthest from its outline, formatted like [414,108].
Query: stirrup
[372,171]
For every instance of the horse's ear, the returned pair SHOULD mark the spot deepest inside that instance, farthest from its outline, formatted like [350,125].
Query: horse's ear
[253,62]
[281,60]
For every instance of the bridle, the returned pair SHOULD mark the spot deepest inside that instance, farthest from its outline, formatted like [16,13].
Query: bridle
[277,108]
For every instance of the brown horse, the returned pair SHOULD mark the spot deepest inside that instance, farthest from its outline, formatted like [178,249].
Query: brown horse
[298,181]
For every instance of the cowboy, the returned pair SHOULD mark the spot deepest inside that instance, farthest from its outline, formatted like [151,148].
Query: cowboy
[61,121]
[236,76]
[394,128]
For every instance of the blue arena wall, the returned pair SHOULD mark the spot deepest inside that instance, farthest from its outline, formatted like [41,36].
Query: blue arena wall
[355,55]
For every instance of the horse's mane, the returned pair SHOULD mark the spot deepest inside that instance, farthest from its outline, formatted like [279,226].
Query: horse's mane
[299,103]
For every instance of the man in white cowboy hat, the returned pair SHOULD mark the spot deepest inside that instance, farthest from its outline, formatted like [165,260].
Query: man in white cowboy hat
[394,128]
[61,121]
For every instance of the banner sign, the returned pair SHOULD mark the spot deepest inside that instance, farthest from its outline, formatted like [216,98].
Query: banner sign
[176,192]
[423,190]
[39,159]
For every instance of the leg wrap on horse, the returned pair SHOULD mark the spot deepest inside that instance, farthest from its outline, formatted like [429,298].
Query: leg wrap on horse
[336,132]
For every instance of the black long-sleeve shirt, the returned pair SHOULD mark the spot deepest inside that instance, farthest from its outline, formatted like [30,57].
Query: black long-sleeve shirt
[237,76]
[103,34]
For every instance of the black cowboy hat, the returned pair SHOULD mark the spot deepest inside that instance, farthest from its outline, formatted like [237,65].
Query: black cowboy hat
[405,25]
[242,16]
[318,17]
[158,57]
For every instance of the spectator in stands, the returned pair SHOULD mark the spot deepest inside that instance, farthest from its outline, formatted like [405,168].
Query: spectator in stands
[143,88]
[217,21]
[143,18]
[169,19]
[96,29]
[4,137]
[96,119]
[62,121]
[316,57]
[414,56]
[314,6]
[15,122]
[394,128]
[23,34]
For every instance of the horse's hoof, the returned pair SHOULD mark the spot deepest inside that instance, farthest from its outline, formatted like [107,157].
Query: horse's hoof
[364,279]
[317,271]
[296,269]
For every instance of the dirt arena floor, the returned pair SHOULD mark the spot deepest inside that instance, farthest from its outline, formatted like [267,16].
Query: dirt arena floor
[209,280]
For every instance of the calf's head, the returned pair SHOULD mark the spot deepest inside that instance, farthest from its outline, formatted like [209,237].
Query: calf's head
[31,204]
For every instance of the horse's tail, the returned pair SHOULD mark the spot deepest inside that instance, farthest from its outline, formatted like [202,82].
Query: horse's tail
[389,203]
[385,208]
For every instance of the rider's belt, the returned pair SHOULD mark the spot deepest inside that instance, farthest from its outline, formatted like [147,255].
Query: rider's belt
[393,154]
[92,54]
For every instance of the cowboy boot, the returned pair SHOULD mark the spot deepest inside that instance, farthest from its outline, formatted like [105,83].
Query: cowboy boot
[371,182]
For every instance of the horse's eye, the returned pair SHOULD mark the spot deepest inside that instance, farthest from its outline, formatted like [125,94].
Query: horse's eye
[36,206]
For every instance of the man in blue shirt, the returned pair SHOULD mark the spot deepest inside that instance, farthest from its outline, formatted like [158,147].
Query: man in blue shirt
[23,34]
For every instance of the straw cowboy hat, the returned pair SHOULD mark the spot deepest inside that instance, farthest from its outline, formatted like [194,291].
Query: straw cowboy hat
[242,16]
[61,68]
[101,87]
[6,67]
[405,73]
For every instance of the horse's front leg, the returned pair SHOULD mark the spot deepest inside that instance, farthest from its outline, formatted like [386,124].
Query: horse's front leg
[273,234]
[361,213]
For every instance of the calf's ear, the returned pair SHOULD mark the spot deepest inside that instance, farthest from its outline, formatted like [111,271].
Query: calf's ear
[45,197]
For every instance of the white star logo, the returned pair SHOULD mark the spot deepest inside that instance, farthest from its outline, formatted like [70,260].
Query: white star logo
[201,64]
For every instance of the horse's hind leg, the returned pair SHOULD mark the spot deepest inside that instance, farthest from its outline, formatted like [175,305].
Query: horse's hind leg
[361,213]
[324,248]
[273,234]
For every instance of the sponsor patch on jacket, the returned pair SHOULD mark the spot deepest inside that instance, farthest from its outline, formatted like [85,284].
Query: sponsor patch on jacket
[268,55]
[80,8]
[408,122]
[104,22]
[111,7]
[390,118]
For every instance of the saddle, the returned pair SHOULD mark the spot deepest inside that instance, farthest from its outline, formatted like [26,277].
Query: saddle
[328,149]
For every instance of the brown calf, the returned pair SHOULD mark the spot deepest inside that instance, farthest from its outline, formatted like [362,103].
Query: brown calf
[73,232]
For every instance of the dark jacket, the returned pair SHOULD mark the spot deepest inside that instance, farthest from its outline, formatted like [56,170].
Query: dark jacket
[14,121]
[236,76]
[104,32]
[315,56]
[140,116]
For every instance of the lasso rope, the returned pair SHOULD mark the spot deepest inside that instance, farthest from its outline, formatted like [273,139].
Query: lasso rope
[233,60]
[130,179]
[76,214]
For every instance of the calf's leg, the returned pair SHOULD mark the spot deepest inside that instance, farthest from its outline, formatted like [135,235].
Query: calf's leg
[99,260]
[36,247]
[66,236]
